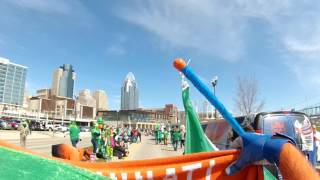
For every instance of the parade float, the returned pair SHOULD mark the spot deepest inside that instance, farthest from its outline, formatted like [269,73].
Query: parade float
[19,163]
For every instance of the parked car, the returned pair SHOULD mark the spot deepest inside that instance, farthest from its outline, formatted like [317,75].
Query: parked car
[84,129]
[4,125]
[62,128]
[36,126]
[14,124]
[51,127]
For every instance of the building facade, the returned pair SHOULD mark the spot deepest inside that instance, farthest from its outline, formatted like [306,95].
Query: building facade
[139,117]
[44,93]
[63,81]
[129,93]
[12,82]
[101,100]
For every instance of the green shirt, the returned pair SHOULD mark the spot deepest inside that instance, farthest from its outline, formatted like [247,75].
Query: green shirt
[176,136]
[95,133]
[74,132]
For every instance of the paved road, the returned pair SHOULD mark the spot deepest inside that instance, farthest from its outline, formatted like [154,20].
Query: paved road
[42,141]
[147,149]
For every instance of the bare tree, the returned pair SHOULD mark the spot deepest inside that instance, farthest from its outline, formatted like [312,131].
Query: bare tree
[247,101]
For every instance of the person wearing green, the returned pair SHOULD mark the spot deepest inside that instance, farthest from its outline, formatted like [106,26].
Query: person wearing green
[158,136]
[176,136]
[95,135]
[100,143]
[161,136]
[166,136]
[100,122]
[74,134]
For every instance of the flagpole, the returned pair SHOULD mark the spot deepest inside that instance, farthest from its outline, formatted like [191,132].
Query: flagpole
[180,65]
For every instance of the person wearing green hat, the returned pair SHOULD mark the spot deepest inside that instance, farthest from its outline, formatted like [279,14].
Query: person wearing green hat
[74,133]
[100,143]
[95,135]
[100,122]
[24,131]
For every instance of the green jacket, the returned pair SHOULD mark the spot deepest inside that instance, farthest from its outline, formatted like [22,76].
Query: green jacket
[74,132]
[161,135]
[176,136]
[95,133]
[158,134]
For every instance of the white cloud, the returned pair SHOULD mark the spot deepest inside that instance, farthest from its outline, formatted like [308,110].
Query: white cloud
[74,10]
[116,50]
[205,26]
[49,6]
[117,46]
[218,28]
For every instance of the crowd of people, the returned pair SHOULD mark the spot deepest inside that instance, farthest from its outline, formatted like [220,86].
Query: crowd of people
[108,141]
[175,135]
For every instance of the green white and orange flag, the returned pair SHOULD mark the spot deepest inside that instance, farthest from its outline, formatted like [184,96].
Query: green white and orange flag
[196,140]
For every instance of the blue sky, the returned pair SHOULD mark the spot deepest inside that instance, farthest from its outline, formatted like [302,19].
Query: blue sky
[277,42]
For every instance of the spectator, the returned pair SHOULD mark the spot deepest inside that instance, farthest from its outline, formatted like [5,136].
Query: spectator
[24,131]
[74,133]
[176,137]
[316,138]
[183,137]
[95,133]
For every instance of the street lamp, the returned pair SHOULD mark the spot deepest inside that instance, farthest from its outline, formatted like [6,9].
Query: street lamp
[75,107]
[214,82]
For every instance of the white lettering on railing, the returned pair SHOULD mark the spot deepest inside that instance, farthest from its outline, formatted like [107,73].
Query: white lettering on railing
[208,173]
[170,174]
[190,169]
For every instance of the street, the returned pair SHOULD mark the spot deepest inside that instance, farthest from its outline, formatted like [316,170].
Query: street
[147,149]
[41,141]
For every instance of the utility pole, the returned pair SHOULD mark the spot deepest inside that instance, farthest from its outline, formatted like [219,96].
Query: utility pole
[214,82]
[75,107]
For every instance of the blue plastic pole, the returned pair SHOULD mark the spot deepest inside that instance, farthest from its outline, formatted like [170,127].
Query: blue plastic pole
[187,71]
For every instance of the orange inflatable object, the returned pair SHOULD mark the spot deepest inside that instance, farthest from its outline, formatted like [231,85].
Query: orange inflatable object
[204,166]
[179,63]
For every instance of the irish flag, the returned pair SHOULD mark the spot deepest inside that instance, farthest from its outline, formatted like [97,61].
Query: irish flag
[196,140]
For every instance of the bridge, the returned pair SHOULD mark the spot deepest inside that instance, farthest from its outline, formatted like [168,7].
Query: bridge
[312,111]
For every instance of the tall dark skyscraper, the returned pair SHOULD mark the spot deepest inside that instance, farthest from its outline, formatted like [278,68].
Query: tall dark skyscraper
[129,93]
[63,81]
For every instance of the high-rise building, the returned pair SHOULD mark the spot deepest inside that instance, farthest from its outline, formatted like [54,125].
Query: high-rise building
[86,104]
[56,81]
[63,81]
[129,93]
[85,98]
[12,82]
[101,100]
